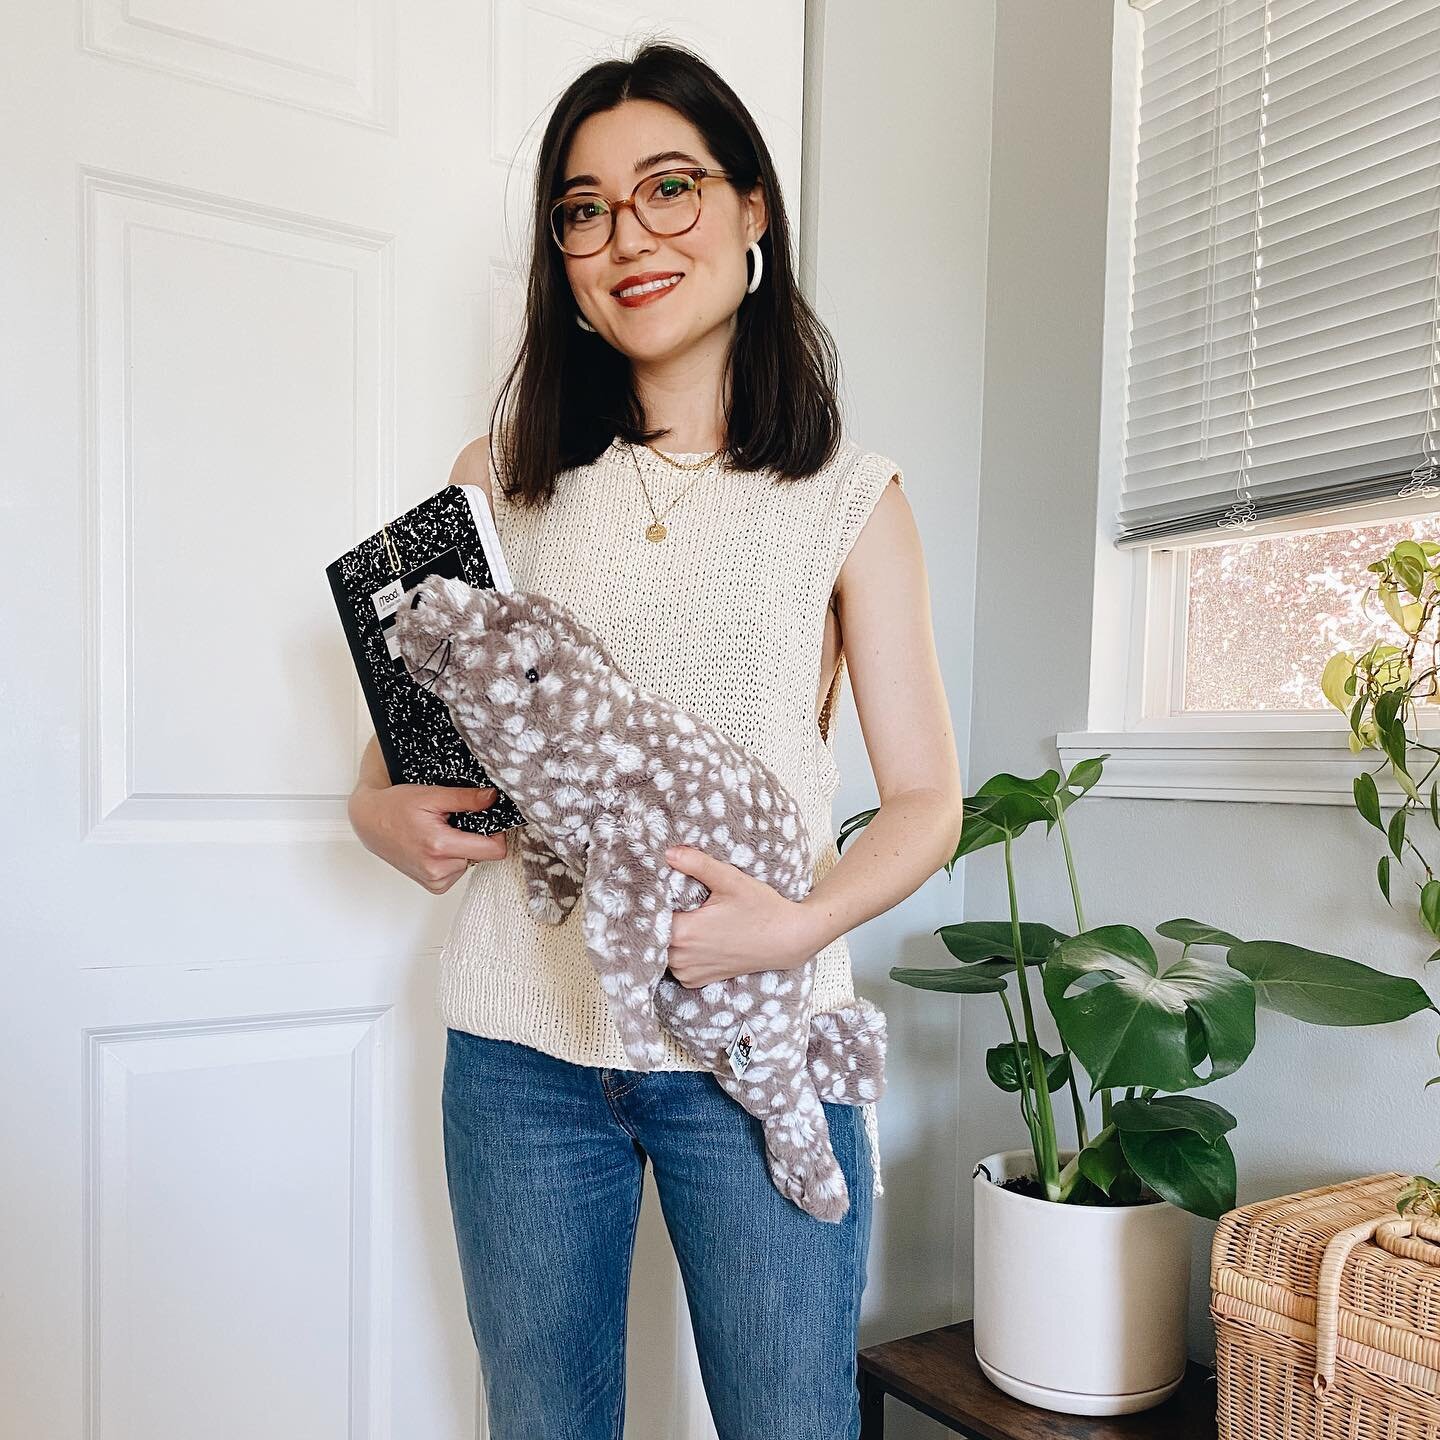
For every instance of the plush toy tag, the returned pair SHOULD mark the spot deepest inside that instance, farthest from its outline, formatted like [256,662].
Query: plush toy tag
[742,1049]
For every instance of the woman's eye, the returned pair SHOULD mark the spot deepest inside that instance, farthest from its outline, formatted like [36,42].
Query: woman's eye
[671,187]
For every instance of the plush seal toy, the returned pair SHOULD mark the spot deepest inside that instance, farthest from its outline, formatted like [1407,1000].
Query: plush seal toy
[609,774]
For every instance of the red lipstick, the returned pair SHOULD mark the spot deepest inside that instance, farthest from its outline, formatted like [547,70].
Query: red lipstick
[632,301]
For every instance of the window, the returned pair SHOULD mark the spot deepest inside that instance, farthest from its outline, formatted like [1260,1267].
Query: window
[1271,408]
[1262,616]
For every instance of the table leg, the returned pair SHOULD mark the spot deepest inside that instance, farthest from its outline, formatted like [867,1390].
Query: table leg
[872,1407]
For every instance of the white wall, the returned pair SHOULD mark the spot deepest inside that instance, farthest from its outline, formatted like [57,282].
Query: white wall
[894,229]
[1314,1105]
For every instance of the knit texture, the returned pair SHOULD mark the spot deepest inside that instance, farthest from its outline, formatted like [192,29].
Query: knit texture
[725,616]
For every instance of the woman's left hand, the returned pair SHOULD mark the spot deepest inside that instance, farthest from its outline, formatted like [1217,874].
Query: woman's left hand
[744,925]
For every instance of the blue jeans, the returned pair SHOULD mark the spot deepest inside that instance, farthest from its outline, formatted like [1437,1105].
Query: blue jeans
[544,1161]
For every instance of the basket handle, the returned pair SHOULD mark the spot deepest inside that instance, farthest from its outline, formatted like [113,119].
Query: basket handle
[1413,1239]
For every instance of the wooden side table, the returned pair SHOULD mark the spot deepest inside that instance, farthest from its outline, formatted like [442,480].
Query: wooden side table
[936,1372]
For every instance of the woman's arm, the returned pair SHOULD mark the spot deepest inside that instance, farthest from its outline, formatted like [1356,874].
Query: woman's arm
[889,644]
[373,774]
[407,825]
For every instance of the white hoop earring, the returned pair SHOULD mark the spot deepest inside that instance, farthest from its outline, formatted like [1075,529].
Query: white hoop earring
[583,323]
[754,285]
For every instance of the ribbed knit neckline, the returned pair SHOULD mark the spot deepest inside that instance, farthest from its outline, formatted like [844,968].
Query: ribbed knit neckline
[619,444]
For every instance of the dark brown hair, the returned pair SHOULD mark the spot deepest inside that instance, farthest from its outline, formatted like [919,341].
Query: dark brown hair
[569,392]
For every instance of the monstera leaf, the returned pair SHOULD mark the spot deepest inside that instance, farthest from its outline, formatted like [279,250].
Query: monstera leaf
[986,978]
[1195,932]
[1083,776]
[1184,1168]
[1008,1064]
[1325,989]
[1129,1024]
[1162,1113]
[1005,806]
[1176,1144]
[854,823]
[974,940]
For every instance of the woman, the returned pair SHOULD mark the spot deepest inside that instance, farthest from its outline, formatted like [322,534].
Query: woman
[723,570]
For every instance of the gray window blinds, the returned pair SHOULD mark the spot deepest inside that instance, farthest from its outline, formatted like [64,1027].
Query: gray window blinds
[1284,346]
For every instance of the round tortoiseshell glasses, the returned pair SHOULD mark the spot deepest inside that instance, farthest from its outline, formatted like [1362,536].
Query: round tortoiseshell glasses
[665,203]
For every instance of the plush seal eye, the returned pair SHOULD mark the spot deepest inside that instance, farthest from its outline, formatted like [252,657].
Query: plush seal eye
[532,674]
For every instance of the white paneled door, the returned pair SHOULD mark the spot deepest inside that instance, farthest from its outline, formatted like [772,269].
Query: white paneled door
[261,269]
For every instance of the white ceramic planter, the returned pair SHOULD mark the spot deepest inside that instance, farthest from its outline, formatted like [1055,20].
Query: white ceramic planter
[1080,1309]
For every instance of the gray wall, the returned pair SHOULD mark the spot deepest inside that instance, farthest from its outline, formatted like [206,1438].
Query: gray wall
[894,240]
[986,362]
[1314,1105]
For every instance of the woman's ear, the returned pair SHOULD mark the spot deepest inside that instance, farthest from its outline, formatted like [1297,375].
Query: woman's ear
[759,216]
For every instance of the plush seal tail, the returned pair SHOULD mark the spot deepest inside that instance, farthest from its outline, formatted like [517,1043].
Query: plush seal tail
[844,1065]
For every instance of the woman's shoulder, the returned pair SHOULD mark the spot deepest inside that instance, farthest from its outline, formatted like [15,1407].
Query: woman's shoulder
[867,477]
[859,475]
[475,465]
[876,467]
[472,467]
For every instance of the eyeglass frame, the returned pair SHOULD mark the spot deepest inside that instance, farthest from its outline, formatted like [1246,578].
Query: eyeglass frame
[699,173]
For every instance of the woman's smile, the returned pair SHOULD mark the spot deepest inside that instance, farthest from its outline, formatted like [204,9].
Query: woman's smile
[642,292]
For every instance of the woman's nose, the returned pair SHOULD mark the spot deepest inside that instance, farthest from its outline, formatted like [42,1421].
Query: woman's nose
[635,240]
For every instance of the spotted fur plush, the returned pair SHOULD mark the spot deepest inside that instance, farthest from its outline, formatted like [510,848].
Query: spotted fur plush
[608,774]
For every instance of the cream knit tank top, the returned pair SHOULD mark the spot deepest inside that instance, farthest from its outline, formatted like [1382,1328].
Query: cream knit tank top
[726,617]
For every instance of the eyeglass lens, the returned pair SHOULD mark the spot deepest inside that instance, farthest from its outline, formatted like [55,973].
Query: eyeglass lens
[668,204]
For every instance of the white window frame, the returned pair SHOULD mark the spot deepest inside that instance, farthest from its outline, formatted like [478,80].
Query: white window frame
[1138,629]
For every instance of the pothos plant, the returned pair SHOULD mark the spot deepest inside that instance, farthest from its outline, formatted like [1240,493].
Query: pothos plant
[1380,691]
[1143,1035]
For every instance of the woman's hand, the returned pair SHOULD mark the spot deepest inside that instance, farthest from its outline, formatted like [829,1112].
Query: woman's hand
[405,826]
[744,925]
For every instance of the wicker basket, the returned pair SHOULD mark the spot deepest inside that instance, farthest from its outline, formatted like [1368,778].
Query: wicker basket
[1327,1317]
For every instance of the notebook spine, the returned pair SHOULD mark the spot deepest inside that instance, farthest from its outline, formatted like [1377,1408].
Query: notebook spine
[459,522]
[374,701]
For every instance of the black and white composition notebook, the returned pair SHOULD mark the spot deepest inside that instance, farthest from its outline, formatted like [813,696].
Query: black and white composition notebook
[450,533]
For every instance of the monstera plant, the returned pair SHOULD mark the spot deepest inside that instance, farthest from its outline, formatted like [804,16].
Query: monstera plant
[1141,1031]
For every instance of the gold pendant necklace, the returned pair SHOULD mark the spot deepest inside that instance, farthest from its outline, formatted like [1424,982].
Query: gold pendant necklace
[657,530]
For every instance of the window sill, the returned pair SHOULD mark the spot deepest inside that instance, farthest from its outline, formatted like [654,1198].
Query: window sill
[1294,766]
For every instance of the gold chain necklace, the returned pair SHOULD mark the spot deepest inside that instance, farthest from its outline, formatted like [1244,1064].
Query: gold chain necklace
[657,530]
[682,464]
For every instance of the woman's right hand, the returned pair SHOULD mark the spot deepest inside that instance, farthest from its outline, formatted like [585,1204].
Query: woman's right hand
[405,826]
